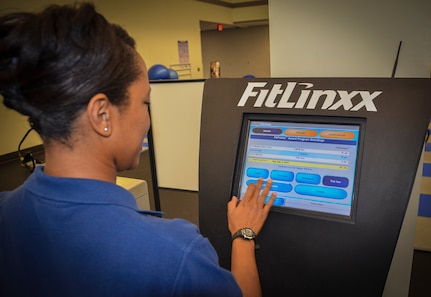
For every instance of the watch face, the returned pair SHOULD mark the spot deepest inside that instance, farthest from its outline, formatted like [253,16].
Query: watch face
[247,233]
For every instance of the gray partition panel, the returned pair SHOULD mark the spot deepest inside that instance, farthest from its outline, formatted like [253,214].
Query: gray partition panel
[303,254]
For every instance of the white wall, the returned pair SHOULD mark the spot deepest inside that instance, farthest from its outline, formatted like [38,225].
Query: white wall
[176,122]
[340,38]
[331,38]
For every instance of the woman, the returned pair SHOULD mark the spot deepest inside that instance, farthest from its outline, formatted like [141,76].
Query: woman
[69,230]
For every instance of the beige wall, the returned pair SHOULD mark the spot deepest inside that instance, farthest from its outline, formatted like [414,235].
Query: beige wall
[240,51]
[157,26]
[12,128]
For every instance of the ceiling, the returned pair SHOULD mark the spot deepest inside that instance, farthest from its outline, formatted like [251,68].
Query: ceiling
[236,3]
[206,26]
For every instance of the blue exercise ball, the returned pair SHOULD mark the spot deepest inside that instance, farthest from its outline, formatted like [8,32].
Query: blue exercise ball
[172,74]
[249,76]
[158,71]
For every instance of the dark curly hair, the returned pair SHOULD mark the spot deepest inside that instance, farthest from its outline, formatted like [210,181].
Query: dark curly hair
[53,62]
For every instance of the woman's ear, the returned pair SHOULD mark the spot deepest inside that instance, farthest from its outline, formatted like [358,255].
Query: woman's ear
[99,111]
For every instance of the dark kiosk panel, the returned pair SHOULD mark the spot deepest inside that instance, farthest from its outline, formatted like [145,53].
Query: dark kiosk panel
[342,153]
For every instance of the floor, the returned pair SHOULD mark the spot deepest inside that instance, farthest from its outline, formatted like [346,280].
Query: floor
[184,204]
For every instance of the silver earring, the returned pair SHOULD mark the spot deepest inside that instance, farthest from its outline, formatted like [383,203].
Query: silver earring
[105,129]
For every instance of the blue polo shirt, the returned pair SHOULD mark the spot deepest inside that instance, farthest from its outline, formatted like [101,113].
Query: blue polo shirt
[82,237]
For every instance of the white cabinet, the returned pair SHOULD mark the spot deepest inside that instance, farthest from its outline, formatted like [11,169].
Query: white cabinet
[138,188]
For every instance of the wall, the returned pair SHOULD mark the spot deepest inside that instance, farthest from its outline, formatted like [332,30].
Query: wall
[240,51]
[350,38]
[156,25]
[423,223]
[176,122]
[13,126]
[338,38]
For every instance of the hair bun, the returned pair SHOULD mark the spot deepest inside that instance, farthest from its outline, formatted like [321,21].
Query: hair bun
[53,62]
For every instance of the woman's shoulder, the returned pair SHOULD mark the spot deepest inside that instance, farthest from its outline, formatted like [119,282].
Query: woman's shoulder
[175,231]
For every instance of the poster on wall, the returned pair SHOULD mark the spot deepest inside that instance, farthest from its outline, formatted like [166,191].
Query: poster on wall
[183,51]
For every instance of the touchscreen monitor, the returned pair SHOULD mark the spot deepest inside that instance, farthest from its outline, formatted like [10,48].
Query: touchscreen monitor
[312,162]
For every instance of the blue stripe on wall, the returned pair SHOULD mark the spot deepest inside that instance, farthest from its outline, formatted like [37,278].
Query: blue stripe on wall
[426,170]
[424,205]
[428,147]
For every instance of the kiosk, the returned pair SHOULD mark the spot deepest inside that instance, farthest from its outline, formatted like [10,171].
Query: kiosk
[342,153]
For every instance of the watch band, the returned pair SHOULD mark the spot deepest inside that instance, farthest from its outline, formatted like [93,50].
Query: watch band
[244,233]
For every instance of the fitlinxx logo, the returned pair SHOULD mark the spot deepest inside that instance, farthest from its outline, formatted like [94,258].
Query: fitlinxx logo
[280,96]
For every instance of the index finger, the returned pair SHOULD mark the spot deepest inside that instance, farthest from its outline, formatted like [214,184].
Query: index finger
[264,193]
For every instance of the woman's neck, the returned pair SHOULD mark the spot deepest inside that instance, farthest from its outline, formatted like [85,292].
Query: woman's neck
[78,162]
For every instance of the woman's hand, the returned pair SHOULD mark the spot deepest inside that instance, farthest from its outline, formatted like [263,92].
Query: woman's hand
[251,211]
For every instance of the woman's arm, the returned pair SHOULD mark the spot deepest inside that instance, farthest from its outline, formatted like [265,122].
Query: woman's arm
[251,212]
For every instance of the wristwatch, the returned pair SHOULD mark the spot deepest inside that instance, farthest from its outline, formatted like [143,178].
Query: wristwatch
[244,233]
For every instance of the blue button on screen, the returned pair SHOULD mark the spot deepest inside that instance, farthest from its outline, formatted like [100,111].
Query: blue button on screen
[257,172]
[321,192]
[335,181]
[306,178]
[282,175]
[281,187]
[277,201]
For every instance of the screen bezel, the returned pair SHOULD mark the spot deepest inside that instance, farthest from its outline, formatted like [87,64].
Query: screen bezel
[309,119]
